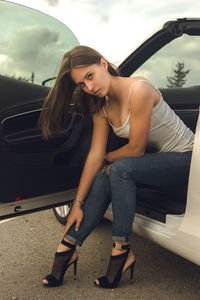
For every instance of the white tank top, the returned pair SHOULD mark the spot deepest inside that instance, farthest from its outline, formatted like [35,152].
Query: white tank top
[167,132]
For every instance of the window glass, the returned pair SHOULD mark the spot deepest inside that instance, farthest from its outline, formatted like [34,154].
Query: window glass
[175,65]
[32,44]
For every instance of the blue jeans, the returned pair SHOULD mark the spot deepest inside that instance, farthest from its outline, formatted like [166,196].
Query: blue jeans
[119,187]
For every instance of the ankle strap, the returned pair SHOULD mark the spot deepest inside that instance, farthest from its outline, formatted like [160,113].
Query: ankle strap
[121,246]
[68,244]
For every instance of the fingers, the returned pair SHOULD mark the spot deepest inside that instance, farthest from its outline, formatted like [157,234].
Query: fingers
[108,169]
[78,222]
[75,217]
[67,227]
[69,224]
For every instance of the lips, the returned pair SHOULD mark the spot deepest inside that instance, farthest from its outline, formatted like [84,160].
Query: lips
[96,92]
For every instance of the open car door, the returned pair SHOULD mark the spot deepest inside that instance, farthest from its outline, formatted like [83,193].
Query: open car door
[32,170]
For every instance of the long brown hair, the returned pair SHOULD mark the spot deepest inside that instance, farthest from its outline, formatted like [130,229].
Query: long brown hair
[56,106]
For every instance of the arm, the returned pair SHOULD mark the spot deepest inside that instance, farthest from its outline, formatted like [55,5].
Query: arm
[96,155]
[142,101]
[93,164]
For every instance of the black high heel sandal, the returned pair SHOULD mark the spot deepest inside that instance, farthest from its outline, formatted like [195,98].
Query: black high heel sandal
[115,268]
[60,266]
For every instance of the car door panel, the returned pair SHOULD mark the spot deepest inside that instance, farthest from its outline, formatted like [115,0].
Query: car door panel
[21,133]
[30,162]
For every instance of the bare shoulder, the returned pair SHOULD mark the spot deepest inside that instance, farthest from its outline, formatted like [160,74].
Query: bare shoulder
[142,84]
[143,89]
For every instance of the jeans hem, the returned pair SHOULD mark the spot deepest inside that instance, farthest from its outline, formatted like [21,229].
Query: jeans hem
[72,239]
[121,238]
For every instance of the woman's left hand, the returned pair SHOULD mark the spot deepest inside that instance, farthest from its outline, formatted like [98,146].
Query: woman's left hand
[75,216]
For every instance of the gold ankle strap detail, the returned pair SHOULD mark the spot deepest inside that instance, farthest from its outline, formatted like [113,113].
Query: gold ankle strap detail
[121,247]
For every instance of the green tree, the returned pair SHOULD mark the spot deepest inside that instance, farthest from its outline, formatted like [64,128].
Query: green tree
[179,78]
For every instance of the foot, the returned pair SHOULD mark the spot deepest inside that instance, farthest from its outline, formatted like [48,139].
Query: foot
[128,263]
[63,248]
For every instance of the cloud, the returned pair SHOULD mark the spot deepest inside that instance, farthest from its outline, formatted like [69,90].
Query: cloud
[97,11]
[115,28]
[33,49]
[52,2]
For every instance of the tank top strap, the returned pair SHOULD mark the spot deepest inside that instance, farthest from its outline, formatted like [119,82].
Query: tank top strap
[104,112]
[106,116]
[134,83]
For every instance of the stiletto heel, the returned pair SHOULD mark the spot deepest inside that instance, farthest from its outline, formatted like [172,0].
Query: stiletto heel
[60,266]
[115,268]
[75,268]
[132,270]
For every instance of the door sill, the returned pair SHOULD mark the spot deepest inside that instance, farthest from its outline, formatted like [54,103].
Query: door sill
[22,207]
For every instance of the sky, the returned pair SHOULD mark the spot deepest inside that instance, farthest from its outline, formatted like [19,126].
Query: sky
[115,27]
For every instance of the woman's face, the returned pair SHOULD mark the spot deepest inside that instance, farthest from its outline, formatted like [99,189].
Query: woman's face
[93,79]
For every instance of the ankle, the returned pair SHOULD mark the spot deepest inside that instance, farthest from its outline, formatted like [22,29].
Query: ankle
[117,248]
[117,252]
[62,247]
[69,242]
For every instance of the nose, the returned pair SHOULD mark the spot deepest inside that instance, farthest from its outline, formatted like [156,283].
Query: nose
[89,86]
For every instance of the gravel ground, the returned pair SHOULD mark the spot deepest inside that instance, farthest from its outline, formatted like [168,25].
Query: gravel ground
[28,244]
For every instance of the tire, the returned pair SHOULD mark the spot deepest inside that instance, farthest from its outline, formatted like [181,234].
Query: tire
[62,212]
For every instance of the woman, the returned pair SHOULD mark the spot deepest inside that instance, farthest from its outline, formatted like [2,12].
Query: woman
[135,110]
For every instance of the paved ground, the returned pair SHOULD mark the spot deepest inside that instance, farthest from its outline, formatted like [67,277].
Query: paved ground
[27,248]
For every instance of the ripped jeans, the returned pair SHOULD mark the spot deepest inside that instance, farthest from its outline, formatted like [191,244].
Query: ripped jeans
[119,188]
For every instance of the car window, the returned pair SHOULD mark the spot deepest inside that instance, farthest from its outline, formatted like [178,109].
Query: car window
[32,43]
[175,65]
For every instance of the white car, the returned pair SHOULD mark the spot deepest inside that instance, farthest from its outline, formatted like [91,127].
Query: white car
[36,174]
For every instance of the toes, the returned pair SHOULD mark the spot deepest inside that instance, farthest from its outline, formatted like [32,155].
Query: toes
[97,282]
[44,281]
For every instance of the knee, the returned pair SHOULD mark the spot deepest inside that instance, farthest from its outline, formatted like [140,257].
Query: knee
[100,177]
[121,169]
[100,174]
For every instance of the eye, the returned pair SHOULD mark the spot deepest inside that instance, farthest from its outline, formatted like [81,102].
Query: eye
[90,75]
[81,85]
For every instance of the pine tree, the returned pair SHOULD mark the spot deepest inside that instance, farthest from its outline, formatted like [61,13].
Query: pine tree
[32,77]
[178,80]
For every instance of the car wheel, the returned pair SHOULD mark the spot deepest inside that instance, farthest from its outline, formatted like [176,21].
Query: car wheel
[62,212]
